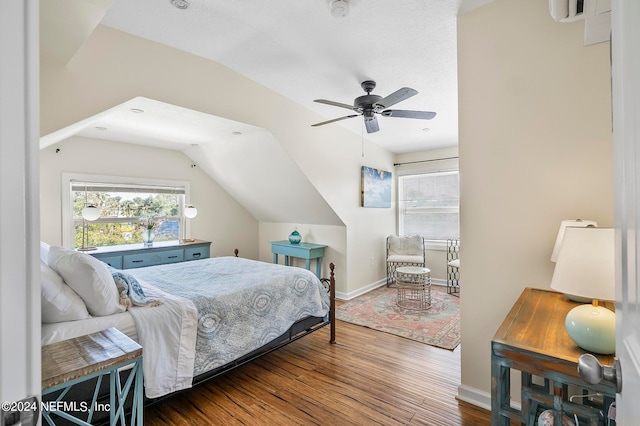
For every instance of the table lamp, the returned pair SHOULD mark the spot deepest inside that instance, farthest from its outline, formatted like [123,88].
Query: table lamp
[577,223]
[585,267]
[189,212]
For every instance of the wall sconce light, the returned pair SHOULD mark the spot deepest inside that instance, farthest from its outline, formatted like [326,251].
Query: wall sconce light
[189,212]
[89,213]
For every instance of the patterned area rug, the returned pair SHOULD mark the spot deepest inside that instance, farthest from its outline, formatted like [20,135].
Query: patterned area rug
[438,326]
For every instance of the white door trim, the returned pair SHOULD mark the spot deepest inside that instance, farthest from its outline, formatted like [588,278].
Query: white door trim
[19,201]
[625,45]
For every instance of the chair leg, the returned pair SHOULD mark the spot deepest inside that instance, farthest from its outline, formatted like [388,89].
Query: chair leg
[453,283]
[390,274]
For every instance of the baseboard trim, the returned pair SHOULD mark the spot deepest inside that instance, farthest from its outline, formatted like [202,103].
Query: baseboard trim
[348,296]
[480,398]
[362,290]
[474,396]
[438,281]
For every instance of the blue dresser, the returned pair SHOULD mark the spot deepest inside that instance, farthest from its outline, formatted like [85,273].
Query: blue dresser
[136,255]
[305,251]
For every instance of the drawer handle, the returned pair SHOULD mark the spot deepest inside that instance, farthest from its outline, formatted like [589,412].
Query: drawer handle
[172,257]
[197,254]
[137,261]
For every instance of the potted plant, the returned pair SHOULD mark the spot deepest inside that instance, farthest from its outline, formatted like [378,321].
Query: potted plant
[148,235]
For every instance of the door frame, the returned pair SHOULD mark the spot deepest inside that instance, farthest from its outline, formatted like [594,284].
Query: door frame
[625,88]
[20,208]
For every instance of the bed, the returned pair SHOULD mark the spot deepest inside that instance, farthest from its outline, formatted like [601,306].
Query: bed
[195,320]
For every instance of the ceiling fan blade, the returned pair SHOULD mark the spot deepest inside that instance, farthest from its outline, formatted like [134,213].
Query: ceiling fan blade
[371,124]
[338,104]
[395,97]
[334,120]
[423,115]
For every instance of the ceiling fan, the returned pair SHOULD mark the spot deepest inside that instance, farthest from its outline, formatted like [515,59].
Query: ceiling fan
[369,105]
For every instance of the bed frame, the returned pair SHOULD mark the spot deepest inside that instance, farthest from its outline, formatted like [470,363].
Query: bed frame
[298,330]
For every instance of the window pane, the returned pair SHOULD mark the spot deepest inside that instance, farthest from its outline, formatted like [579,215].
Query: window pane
[432,226]
[109,233]
[428,205]
[124,216]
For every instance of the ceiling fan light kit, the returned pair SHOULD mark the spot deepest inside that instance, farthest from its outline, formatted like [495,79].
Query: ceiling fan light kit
[369,105]
[339,8]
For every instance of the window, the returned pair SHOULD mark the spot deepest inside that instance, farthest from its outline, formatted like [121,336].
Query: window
[126,208]
[429,205]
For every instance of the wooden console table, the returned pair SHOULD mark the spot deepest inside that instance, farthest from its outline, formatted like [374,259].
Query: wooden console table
[533,340]
[305,251]
[73,361]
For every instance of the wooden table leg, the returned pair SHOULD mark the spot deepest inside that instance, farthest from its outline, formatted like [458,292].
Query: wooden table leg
[500,391]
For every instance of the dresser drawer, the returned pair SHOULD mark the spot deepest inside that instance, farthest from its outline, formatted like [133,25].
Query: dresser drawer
[195,253]
[113,261]
[134,256]
[155,258]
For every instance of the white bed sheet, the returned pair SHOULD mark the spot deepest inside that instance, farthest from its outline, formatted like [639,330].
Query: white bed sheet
[57,332]
[166,332]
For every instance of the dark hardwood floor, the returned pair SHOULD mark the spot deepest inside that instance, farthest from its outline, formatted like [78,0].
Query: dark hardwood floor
[368,377]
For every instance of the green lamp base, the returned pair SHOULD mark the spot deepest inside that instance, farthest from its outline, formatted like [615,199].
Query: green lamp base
[593,328]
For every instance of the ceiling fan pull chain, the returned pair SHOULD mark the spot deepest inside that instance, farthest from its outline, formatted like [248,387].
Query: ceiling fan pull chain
[362,138]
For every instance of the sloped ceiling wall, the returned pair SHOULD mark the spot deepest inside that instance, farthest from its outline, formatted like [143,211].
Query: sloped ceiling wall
[245,160]
[112,67]
[251,166]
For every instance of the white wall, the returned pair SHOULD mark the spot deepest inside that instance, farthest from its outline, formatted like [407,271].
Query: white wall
[113,67]
[535,148]
[335,237]
[220,219]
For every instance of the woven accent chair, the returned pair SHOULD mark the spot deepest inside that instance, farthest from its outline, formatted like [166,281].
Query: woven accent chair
[403,251]
[453,266]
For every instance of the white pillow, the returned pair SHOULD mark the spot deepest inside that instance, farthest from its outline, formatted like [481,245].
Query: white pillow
[44,252]
[88,277]
[59,302]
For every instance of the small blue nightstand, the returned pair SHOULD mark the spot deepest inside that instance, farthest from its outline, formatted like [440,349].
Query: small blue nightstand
[305,251]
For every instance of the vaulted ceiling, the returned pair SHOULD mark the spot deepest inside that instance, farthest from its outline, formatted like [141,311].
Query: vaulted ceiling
[300,50]
[296,49]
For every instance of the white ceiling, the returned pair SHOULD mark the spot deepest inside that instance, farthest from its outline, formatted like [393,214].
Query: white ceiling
[298,49]
[293,47]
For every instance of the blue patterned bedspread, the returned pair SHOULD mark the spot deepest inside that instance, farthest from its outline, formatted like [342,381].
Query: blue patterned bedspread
[242,304]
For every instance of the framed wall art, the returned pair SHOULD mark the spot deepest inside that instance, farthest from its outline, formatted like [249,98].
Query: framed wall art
[375,188]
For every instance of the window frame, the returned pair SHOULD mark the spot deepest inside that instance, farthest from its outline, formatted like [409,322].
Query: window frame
[68,221]
[447,165]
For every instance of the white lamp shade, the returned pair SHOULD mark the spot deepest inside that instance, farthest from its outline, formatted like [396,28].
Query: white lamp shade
[190,212]
[578,223]
[91,212]
[586,263]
